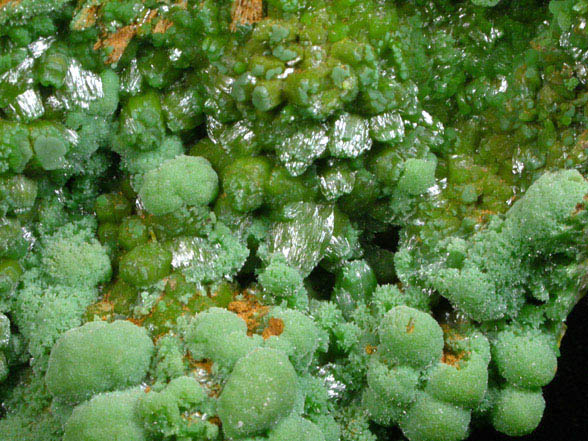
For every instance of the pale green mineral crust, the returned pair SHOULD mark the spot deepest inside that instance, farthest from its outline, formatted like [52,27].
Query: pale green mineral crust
[288,220]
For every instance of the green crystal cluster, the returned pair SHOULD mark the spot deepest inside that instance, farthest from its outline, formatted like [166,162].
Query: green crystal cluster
[288,220]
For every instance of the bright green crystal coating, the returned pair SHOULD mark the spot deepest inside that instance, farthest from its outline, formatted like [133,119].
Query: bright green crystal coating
[249,220]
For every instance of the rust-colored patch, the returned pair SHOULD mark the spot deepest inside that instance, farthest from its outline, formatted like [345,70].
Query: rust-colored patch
[158,337]
[250,310]
[275,327]
[484,216]
[141,320]
[452,359]
[215,420]
[86,18]
[212,390]
[103,309]
[450,356]
[5,2]
[246,12]
[371,349]
[450,333]
[410,326]
[204,364]
[118,42]
[135,321]
[148,17]
[162,26]
[103,306]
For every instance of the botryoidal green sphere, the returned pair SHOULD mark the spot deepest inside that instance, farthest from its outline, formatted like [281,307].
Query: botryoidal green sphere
[409,336]
[287,220]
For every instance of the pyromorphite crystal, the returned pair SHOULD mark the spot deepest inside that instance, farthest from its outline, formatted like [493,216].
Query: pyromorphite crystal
[259,392]
[108,356]
[271,220]
[106,417]
[183,180]
[410,337]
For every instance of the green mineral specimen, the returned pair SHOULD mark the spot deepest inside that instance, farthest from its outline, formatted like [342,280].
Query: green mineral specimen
[122,361]
[288,220]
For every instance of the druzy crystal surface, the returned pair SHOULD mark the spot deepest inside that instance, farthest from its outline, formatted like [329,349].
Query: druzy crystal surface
[288,220]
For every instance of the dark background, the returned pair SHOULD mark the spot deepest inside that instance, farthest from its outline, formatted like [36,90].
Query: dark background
[566,397]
